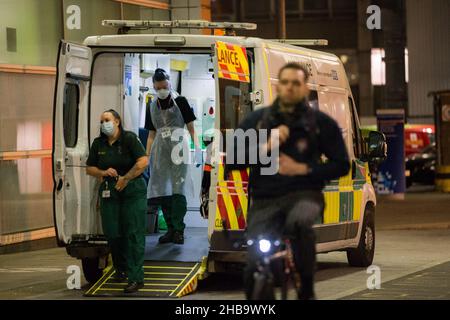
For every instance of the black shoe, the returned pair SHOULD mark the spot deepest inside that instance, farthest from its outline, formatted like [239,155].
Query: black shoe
[133,287]
[167,237]
[120,275]
[178,237]
[306,291]
[303,295]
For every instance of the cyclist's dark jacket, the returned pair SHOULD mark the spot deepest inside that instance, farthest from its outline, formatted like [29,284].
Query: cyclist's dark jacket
[312,133]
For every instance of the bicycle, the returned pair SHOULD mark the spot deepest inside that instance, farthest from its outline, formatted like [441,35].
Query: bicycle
[264,279]
[264,284]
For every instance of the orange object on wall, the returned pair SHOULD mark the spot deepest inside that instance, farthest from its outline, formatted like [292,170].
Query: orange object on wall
[46,164]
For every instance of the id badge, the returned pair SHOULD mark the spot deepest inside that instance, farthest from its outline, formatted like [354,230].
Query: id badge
[106,193]
[165,133]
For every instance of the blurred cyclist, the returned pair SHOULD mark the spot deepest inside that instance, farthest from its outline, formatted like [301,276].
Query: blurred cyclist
[289,202]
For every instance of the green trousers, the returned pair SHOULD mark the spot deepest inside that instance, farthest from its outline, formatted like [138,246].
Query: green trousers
[124,217]
[174,209]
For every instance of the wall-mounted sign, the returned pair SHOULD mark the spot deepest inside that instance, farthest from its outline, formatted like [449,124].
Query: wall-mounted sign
[446,113]
[391,172]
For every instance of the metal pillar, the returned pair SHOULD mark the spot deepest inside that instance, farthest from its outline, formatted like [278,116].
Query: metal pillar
[281,19]
[394,39]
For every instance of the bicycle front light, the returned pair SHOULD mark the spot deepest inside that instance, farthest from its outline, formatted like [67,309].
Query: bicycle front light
[264,245]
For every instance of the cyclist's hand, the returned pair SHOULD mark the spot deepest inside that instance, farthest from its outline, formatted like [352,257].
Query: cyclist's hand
[277,140]
[289,167]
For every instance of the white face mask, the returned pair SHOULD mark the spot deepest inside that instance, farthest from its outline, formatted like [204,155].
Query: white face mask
[163,93]
[107,128]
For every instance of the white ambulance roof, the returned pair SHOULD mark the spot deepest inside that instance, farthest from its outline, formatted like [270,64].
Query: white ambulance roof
[193,41]
[328,69]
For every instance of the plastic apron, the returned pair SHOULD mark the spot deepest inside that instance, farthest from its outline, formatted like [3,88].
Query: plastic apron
[168,177]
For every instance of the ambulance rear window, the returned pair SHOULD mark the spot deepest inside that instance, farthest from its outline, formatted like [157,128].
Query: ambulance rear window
[235,103]
[70,114]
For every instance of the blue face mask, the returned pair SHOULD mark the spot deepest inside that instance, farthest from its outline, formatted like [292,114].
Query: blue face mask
[107,128]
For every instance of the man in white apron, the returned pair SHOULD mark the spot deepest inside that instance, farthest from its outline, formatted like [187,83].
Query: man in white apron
[170,180]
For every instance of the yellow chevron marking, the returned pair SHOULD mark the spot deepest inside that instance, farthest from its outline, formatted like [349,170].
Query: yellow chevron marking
[231,212]
[184,279]
[227,199]
[241,194]
[221,178]
[188,288]
[106,279]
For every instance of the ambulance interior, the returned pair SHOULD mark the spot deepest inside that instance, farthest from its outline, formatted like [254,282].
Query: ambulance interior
[123,81]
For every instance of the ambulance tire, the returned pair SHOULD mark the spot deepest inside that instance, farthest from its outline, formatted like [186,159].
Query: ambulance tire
[91,270]
[362,256]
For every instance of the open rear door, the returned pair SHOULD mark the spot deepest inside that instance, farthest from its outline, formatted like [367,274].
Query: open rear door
[74,212]
[228,195]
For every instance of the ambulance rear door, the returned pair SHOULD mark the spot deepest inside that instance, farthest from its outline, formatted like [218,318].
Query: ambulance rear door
[228,195]
[73,207]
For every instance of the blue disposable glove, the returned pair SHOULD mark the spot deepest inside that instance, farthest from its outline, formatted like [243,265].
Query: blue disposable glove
[198,157]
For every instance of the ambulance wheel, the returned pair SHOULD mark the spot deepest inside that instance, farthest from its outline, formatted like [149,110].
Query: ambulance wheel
[91,270]
[362,256]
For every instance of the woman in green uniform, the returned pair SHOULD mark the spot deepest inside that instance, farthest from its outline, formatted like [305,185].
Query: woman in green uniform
[118,158]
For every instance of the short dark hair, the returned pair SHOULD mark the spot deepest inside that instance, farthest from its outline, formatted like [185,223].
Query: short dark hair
[295,66]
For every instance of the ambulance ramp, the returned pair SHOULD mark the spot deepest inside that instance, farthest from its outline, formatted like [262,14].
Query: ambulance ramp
[195,247]
[164,279]
[170,270]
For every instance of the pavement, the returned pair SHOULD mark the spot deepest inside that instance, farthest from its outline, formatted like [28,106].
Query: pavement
[412,256]
[422,209]
[414,286]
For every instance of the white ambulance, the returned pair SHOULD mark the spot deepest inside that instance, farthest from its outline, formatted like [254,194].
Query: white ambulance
[115,72]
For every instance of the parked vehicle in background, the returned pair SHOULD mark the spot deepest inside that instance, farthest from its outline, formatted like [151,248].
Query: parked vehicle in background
[418,137]
[420,167]
[420,153]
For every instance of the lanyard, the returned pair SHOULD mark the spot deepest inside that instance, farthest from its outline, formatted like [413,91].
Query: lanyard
[160,108]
